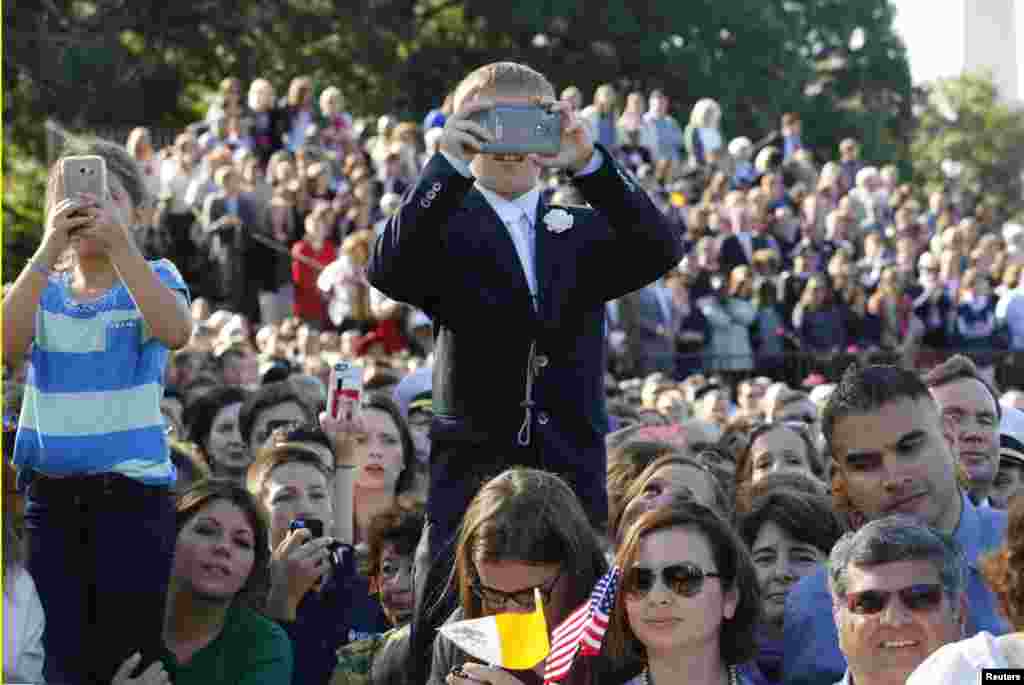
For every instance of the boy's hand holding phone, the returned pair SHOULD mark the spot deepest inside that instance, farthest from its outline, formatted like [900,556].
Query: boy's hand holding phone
[84,185]
[466,132]
[577,147]
[66,218]
[110,228]
[462,137]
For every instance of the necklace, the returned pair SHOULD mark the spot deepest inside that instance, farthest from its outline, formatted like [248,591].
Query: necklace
[645,676]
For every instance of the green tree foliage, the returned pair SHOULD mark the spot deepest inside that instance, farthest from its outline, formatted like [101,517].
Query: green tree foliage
[836,61]
[107,62]
[24,187]
[965,122]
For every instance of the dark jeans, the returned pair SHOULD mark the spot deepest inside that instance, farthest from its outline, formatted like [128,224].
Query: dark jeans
[100,552]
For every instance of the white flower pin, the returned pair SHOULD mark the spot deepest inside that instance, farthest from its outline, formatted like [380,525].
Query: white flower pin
[558,220]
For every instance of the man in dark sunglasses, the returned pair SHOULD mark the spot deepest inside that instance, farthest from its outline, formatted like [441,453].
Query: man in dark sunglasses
[898,594]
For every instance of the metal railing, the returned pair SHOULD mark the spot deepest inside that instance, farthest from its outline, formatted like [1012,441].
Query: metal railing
[796,366]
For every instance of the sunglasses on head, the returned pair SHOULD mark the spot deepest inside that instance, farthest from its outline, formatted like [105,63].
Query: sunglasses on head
[920,597]
[684,579]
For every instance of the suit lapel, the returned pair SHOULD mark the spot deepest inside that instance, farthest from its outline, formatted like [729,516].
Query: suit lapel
[545,261]
[504,250]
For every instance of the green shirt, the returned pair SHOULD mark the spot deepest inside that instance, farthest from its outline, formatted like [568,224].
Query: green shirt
[250,650]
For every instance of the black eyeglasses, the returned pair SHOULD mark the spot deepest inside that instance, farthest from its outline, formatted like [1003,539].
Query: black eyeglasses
[920,597]
[498,599]
[273,426]
[684,579]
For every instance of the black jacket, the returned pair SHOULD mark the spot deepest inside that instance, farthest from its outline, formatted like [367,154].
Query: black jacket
[447,252]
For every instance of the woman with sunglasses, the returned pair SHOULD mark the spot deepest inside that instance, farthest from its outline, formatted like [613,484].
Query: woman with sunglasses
[688,601]
[524,530]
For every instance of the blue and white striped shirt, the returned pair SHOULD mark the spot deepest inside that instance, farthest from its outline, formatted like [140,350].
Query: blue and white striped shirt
[95,380]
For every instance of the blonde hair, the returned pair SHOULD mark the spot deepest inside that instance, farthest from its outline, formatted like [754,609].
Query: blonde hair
[138,136]
[704,112]
[329,94]
[256,89]
[505,78]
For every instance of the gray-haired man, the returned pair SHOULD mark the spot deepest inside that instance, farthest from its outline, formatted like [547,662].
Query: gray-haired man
[898,594]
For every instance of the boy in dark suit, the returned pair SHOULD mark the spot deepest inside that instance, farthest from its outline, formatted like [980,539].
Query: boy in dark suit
[504,276]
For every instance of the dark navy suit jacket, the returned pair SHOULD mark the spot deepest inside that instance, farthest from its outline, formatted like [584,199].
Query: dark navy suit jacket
[447,252]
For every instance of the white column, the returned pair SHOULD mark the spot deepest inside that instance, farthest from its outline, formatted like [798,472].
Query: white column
[991,43]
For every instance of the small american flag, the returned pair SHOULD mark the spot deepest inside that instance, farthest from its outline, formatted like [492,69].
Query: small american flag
[584,630]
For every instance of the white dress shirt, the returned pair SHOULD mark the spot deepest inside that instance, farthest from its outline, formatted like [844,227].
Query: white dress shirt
[520,217]
[1010,312]
[512,213]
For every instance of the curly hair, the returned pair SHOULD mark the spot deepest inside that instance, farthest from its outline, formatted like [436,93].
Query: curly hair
[1001,568]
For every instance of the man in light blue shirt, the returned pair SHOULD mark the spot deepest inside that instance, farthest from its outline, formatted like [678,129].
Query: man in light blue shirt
[892,455]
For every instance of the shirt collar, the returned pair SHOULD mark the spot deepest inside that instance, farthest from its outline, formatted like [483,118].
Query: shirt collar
[968,531]
[511,210]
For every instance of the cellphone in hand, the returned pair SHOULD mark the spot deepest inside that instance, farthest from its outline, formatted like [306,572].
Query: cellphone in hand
[345,393]
[84,174]
[315,526]
[460,672]
[521,129]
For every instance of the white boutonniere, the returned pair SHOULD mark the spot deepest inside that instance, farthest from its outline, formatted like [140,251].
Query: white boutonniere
[558,220]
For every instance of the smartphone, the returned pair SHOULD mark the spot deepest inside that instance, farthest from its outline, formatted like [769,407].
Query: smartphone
[346,391]
[84,174]
[521,129]
[315,526]
[460,672]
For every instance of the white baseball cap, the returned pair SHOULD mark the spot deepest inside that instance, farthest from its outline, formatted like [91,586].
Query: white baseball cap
[1011,435]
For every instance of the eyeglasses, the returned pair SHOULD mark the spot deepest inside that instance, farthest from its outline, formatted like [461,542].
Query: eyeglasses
[685,579]
[278,425]
[498,599]
[391,569]
[920,597]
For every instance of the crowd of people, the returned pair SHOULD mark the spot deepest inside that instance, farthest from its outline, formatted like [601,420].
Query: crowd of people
[751,391]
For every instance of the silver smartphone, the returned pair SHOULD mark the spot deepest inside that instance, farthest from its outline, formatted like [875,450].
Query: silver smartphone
[84,174]
[521,129]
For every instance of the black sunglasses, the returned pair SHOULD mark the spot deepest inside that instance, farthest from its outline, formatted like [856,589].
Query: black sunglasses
[920,597]
[498,599]
[684,579]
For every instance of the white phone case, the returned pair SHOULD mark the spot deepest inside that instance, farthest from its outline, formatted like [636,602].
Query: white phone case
[84,174]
